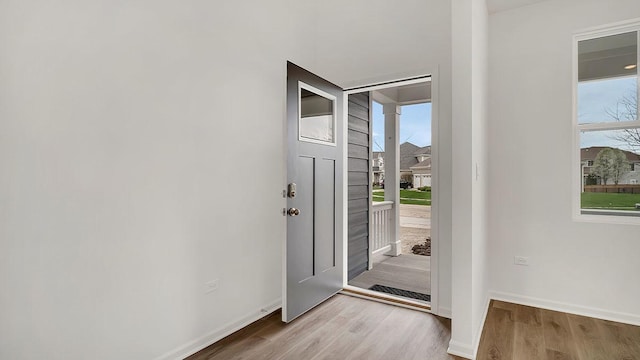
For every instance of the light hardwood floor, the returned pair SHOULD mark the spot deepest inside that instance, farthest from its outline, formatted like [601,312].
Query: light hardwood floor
[521,332]
[346,327]
[343,327]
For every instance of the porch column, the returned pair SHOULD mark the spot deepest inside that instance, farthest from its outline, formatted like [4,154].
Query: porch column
[392,172]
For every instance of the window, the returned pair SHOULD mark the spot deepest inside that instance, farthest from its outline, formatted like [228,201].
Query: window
[607,124]
[317,115]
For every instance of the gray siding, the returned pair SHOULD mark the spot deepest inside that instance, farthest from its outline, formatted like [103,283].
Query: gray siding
[359,183]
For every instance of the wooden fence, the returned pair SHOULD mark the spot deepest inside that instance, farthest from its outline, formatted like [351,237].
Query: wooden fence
[621,189]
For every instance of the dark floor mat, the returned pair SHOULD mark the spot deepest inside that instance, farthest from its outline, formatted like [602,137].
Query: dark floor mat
[400,292]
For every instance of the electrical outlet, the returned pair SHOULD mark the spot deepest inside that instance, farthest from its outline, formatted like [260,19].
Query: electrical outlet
[211,286]
[521,260]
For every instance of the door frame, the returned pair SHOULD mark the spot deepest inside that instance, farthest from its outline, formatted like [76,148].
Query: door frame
[433,74]
[357,87]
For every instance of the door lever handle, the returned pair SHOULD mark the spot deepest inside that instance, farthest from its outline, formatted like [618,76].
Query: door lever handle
[293,212]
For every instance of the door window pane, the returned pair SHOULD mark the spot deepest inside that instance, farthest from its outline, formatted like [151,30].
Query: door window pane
[316,117]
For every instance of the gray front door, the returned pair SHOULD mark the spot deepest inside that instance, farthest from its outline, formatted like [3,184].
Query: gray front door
[314,270]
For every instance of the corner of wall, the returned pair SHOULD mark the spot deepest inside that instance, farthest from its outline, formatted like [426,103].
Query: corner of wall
[460,349]
[444,312]
[476,343]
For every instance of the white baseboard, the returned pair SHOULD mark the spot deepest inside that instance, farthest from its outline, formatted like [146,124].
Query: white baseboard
[196,345]
[444,312]
[464,350]
[567,308]
[382,250]
[476,343]
[459,349]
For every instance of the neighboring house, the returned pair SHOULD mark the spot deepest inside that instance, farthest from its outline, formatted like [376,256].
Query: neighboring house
[377,167]
[422,173]
[415,164]
[588,156]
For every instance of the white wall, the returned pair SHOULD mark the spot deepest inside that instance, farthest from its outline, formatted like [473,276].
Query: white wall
[480,161]
[470,272]
[462,177]
[124,129]
[363,42]
[583,267]
[124,186]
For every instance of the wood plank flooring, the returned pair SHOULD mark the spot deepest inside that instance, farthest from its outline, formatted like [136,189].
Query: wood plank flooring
[346,327]
[521,332]
[407,271]
[343,327]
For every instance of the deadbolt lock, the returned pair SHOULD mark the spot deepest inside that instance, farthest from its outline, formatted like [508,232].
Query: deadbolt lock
[291,190]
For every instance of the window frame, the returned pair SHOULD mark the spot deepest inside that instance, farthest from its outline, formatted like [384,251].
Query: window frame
[326,95]
[599,216]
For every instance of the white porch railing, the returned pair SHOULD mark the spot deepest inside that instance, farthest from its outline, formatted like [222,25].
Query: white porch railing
[381,232]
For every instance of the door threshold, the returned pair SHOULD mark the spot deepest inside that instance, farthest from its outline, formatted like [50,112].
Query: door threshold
[386,299]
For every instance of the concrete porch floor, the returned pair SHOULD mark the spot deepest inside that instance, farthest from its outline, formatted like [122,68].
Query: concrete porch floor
[407,271]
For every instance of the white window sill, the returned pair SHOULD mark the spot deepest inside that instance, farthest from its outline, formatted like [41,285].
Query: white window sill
[608,216]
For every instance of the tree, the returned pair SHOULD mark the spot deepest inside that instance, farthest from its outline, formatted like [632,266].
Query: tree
[601,165]
[627,110]
[619,165]
[610,164]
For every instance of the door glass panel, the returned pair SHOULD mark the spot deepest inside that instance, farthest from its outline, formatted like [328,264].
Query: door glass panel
[316,117]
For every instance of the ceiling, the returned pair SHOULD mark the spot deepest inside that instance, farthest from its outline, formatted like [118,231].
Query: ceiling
[404,95]
[598,58]
[502,5]
[606,57]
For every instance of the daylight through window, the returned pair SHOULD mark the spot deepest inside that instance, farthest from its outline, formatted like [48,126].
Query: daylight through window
[607,124]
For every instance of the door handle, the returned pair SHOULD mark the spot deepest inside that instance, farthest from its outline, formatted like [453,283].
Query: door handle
[293,212]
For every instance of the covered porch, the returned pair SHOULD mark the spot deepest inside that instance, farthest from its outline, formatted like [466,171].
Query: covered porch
[381,248]
[406,270]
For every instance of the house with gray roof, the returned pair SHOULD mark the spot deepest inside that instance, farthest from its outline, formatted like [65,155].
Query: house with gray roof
[415,164]
[588,156]
[421,173]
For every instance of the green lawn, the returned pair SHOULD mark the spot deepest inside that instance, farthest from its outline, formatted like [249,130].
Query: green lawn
[609,201]
[408,197]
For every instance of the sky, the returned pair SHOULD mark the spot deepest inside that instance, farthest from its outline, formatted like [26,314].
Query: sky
[594,99]
[415,125]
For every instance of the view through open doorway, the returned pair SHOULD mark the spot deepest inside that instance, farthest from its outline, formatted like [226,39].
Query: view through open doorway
[401,189]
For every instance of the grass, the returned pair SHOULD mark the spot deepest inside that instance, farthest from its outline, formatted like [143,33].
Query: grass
[413,197]
[609,201]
